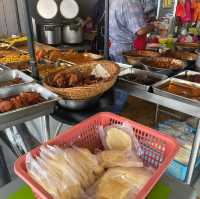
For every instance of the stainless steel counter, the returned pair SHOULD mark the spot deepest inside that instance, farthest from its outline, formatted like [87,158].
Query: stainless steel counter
[181,106]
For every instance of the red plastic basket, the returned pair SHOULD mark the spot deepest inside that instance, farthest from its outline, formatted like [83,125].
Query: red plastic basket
[159,149]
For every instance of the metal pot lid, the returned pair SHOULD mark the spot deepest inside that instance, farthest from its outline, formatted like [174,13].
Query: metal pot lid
[69,9]
[47,9]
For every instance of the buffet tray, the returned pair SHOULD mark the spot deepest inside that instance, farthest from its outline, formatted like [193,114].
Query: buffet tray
[167,71]
[157,89]
[134,57]
[3,67]
[187,73]
[94,57]
[141,72]
[25,112]
[12,74]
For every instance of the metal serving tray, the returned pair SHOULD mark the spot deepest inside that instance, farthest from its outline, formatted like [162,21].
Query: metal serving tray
[141,72]
[25,112]
[3,67]
[12,74]
[157,89]
[94,57]
[187,73]
[123,66]
[168,72]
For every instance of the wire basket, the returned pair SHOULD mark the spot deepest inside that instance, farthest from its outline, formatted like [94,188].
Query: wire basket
[89,91]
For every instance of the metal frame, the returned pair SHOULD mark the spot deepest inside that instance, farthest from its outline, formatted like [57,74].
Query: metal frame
[29,29]
[183,107]
[106,34]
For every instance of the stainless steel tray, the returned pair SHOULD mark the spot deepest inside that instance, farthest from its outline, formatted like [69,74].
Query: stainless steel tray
[141,72]
[157,89]
[12,74]
[123,66]
[25,112]
[187,73]
[3,67]
[93,56]
[168,72]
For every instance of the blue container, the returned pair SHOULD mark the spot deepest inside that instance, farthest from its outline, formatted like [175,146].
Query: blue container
[179,170]
[121,98]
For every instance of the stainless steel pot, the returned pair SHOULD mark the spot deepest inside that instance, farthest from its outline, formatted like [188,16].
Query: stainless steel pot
[79,104]
[72,33]
[50,34]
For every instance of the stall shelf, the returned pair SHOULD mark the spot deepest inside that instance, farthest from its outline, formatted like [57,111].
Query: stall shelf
[183,107]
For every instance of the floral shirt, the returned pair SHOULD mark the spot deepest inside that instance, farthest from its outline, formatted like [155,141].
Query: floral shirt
[126,18]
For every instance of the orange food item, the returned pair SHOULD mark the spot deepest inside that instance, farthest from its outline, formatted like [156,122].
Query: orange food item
[6,106]
[22,100]
[184,90]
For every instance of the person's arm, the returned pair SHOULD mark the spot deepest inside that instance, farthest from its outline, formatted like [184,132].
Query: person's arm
[148,28]
[135,18]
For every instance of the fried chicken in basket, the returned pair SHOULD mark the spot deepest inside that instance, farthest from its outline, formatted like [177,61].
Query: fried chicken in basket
[73,79]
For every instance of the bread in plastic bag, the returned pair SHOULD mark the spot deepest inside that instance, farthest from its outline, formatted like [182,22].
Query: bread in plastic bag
[62,187]
[119,182]
[71,158]
[120,137]
[57,164]
[41,176]
[116,158]
[91,160]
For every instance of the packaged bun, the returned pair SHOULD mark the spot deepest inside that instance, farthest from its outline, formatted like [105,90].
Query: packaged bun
[119,182]
[42,177]
[84,165]
[91,160]
[116,158]
[56,164]
[119,137]
[75,164]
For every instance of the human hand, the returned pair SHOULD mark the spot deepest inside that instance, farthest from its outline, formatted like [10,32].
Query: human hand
[156,24]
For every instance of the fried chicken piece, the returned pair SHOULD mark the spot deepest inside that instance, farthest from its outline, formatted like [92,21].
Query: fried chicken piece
[31,97]
[6,106]
[73,80]
[60,79]
[18,102]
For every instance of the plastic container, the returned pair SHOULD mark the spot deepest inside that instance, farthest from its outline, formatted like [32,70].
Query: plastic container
[121,98]
[179,170]
[159,149]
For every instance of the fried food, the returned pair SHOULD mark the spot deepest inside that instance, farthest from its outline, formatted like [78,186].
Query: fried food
[22,100]
[63,79]
[55,55]
[164,62]
[15,81]
[6,105]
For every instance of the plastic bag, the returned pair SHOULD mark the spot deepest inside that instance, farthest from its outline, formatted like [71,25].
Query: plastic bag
[116,158]
[54,174]
[122,183]
[39,174]
[120,137]
[57,163]
[91,160]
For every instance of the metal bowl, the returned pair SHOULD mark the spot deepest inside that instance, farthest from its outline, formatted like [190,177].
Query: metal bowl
[78,104]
